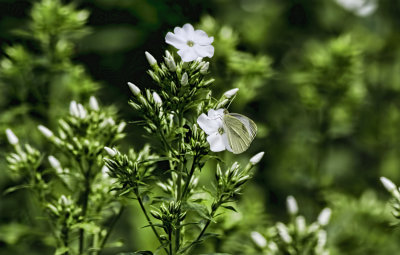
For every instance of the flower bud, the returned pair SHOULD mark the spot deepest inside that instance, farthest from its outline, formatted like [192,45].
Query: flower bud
[324,216]
[388,184]
[258,239]
[54,162]
[45,131]
[134,89]
[283,232]
[257,158]
[157,99]
[231,93]
[11,137]
[152,61]
[82,111]
[291,204]
[170,64]
[204,68]
[184,79]
[112,152]
[300,224]
[94,105]
[73,109]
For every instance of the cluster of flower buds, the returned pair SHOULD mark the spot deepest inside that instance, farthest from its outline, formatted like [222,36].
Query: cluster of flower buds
[298,236]
[169,215]
[395,192]
[86,130]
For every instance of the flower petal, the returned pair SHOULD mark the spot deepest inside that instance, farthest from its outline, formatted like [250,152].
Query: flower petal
[189,31]
[216,142]
[175,40]
[216,114]
[201,37]
[208,125]
[204,51]
[187,54]
[226,142]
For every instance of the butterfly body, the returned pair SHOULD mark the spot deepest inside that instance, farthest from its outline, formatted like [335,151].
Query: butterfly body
[240,131]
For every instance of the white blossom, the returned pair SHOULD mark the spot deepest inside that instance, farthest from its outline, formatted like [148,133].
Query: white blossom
[291,204]
[324,216]
[45,131]
[94,105]
[191,44]
[258,239]
[361,8]
[11,137]
[157,99]
[256,158]
[212,125]
[230,93]
[152,61]
[134,89]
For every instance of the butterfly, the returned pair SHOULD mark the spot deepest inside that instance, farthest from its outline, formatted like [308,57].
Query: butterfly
[240,131]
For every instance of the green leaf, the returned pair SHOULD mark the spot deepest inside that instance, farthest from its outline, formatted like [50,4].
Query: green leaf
[15,188]
[61,250]
[229,207]
[136,253]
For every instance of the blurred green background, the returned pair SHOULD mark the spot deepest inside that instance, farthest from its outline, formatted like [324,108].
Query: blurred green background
[320,78]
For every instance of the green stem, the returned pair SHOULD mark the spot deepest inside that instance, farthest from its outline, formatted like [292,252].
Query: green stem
[113,222]
[185,189]
[182,162]
[85,197]
[149,220]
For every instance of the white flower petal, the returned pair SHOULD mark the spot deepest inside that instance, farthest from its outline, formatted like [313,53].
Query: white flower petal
[188,54]
[189,30]
[204,51]
[201,37]
[208,125]
[216,142]
[226,142]
[175,40]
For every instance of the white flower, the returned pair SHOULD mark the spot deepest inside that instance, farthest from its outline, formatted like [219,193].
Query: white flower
[212,125]
[152,61]
[258,239]
[134,89]
[11,137]
[361,8]
[230,93]
[324,216]
[256,158]
[192,44]
[94,105]
[291,204]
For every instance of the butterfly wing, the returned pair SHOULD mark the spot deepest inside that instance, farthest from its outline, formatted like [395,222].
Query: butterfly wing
[240,131]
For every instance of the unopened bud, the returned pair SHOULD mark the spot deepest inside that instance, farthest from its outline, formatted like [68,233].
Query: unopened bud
[184,79]
[388,184]
[73,109]
[230,93]
[134,89]
[152,61]
[170,64]
[45,131]
[257,158]
[324,216]
[112,152]
[204,68]
[54,162]
[291,204]
[82,111]
[258,239]
[94,105]
[157,99]
[283,232]
[11,137]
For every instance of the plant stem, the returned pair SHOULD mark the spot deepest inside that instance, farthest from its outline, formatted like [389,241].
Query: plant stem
[86,194]
[149,220]
[113,222]
[185,189]
[182,163]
